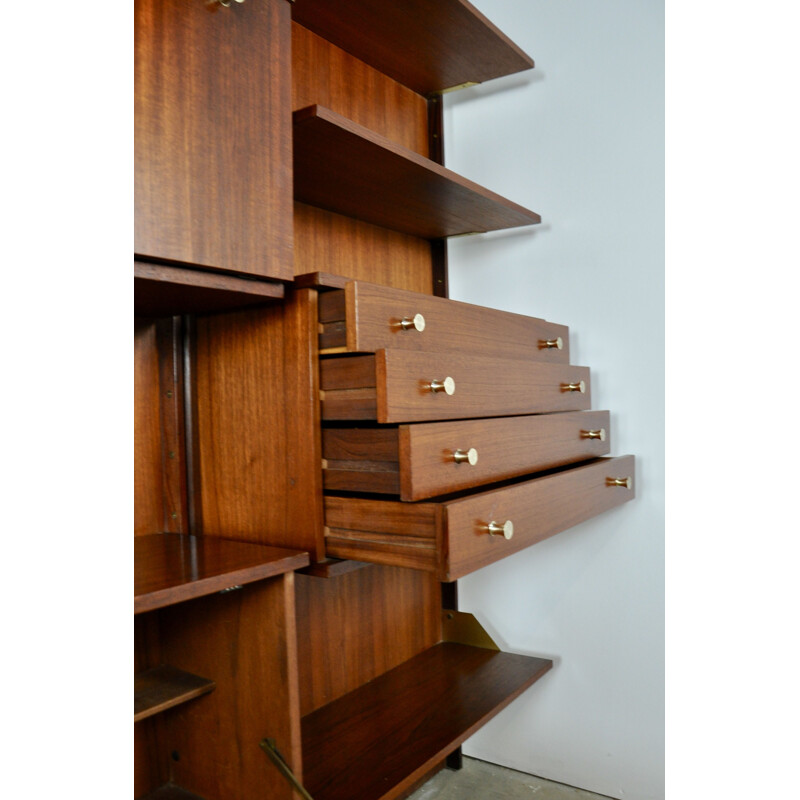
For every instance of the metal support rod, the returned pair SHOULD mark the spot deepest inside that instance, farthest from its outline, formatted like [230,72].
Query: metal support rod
[268,746]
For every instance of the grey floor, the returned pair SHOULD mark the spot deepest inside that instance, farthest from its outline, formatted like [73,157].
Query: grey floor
[478,780]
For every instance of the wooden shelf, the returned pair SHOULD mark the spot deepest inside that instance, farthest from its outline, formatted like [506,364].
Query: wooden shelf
[172,567]
[170,792]
[162,290]
[429,47]
[344,167]
[157,689]
[376,741]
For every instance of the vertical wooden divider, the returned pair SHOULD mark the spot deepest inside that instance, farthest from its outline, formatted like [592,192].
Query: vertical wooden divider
[258,436]
[305,513]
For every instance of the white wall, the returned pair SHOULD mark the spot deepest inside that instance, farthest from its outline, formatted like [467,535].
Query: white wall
[580,139]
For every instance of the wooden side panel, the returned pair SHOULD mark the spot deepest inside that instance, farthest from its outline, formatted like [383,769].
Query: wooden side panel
[258,425]
[148,508]
[427,46]
[327,242]
[506,447]
[246,642]
[213,142]
[356,626]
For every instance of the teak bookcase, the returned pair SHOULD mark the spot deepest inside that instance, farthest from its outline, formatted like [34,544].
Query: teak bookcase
[325,441]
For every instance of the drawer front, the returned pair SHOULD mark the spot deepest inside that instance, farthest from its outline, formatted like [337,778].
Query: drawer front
[403,384]
[364,317]
[451,456]
[537,509]
[421,461]
[452,538]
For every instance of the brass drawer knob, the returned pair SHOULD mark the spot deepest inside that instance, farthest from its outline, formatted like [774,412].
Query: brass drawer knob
[601,434]
[448,386]
[506,530]
[548,344]
[470,456]
[417,322]
[626,482]
[227,3]
[580,386]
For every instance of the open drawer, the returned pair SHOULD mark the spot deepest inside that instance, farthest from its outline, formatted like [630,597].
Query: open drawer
[457,536]
[428,459]
[407,386]
[365,317]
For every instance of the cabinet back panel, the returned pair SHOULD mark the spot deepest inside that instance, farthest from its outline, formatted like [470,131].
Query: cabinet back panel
[354,627]
[326,75]
[327,242]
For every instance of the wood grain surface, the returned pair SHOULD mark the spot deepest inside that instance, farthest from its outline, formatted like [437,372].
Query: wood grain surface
[355,626]
[246,641]
[391,532]
[417,461]
[378,740]
[162,289]
[426,46]
[213,139]
[344,167]
[258,431]
[484,387]
[170,568]
[148,468]
[372,316]
[328,242]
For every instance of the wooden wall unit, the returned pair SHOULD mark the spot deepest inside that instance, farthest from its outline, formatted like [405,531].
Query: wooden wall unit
[295,534]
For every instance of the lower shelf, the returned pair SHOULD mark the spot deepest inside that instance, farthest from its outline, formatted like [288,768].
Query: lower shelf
[157,689]
[376,741]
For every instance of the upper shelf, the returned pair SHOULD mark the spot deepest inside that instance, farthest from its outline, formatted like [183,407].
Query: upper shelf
[428,45]
[343,167]
[172,567]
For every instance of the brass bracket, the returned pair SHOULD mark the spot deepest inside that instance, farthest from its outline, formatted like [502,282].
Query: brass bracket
[269,747]
[449,89]
[463,628]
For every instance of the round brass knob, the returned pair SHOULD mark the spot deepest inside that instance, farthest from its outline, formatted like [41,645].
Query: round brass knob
[601,434]
[227,3]
[580,386]
[505,530]
[547,344]
[417,322]
[626,482]
[448,386]
[470,456]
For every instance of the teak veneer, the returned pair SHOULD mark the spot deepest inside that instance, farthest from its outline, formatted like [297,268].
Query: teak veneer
[429,47]
[170,568]
[344,167]
[159,688]
[375,742]
[291,197]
